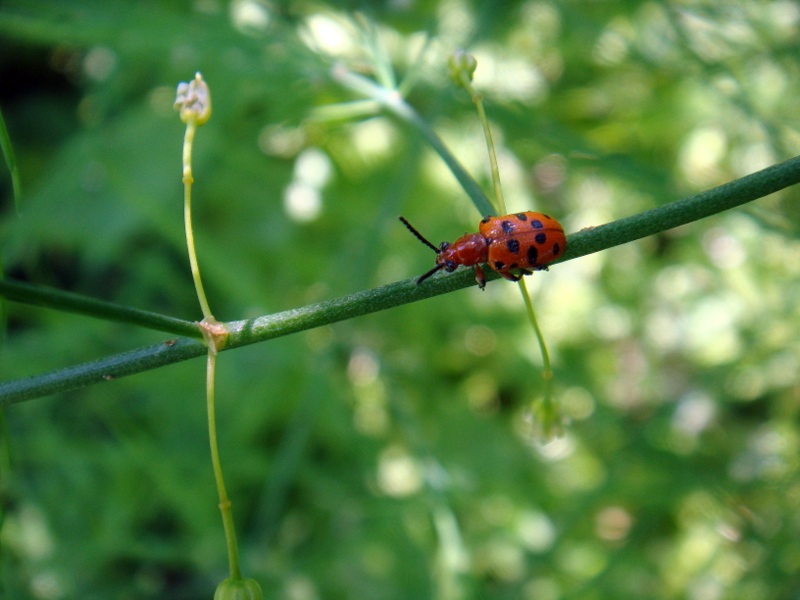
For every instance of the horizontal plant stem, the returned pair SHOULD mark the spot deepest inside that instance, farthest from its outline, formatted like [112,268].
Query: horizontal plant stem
[250,331]
[105,369]
[242,333]
[26,293]
[680,212]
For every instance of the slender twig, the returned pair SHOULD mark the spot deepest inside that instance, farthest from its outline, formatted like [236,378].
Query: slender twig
[392,101]
[194,103]
[588,241]
[187,218]
[224,502]
[27,293]
[462,69]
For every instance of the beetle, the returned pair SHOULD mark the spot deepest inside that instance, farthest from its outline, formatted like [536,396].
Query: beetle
[522,242]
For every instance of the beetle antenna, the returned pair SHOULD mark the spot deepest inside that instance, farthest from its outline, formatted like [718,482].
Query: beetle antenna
[429,273]
[424,241]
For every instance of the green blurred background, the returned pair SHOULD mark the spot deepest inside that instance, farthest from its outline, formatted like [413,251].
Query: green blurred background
[388,456]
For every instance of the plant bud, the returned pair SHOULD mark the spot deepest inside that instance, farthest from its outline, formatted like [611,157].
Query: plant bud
[238,589]
[461,63]
[193,100]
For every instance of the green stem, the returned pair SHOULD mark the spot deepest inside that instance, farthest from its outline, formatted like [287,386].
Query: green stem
[547,371]
[224,502]
[579,244]
[5,461]
[26,293]
[187,216]
[680,212]
[102,370]
[392,101]
[465,77]
[373,42]
[477,99]
[548,417]
[498,189]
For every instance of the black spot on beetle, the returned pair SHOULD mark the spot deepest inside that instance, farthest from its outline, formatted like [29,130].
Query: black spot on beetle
[537,224]
[533,255]
[499,265]
[540,238]
[486,219]
[513,266]
[513,246]
[507,226]
[522,216]
[556,249]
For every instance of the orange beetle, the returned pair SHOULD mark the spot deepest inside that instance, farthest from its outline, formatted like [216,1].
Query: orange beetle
[521,242]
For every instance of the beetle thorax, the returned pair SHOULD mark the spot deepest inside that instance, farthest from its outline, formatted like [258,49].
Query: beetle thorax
[468,250]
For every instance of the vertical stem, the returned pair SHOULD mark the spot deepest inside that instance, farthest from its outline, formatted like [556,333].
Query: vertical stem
[477,99]
[5,464]
[194,102]
[547,372]
[224,503]
[547,415]
[187,215]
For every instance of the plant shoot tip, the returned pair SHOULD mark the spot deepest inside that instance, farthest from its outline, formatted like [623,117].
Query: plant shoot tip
[193,100]
[462,65]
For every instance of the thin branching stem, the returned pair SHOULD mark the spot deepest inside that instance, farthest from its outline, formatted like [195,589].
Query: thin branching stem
[477,99]
[463,66]
[588,241]
[547,371]
[224,502]
[27,293]
[394,102]
[187,217]
[194,101]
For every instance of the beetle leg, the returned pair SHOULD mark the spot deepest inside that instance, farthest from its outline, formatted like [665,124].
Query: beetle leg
[480,277]
[510,276]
